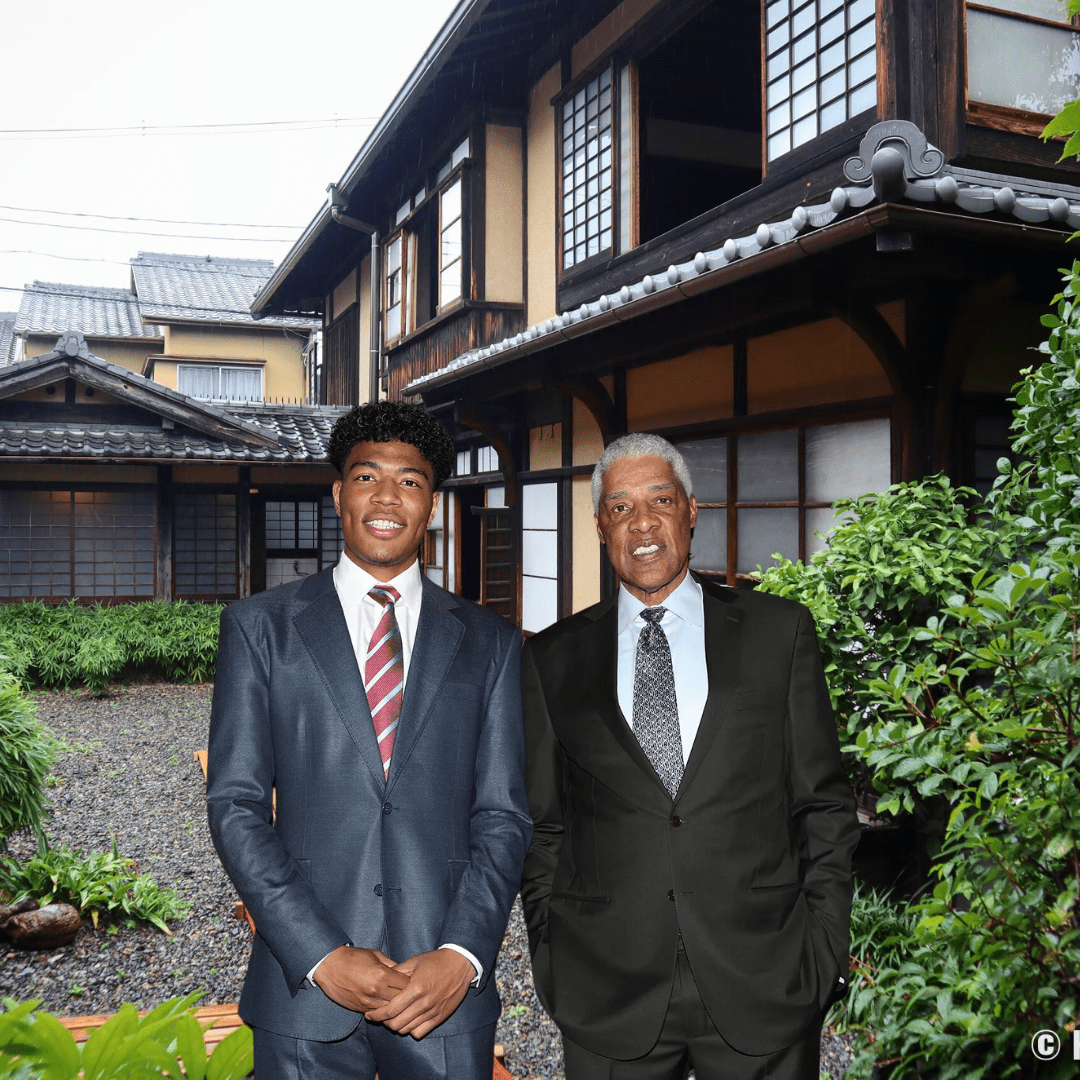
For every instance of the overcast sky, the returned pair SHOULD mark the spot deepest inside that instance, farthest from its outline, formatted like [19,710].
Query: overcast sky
[319,74]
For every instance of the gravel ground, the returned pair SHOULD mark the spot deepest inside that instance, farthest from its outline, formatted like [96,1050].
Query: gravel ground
[128,770]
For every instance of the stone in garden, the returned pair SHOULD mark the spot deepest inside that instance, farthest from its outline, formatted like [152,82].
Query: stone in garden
[9,911]
[47,928]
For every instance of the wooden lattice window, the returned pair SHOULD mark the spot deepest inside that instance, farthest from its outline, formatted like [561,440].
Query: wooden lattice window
[820,68]
[205,546]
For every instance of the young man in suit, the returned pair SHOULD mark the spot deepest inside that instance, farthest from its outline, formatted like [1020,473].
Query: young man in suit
[688,887]
[386,713]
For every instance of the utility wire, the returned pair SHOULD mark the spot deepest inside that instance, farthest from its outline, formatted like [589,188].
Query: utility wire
[140,130]
[142,232]
[158,221]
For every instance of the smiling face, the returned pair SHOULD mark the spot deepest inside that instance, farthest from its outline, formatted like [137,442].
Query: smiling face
[385,500]
[645,520]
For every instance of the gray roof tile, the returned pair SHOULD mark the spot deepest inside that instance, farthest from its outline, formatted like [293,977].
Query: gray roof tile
[895,163]
[187,288]
[51,308]
[7,337]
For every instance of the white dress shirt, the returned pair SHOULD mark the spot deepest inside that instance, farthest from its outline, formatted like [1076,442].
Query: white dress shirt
[684,627]
[362,614]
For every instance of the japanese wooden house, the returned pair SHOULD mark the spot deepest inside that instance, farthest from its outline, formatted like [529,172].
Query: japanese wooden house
[808,240]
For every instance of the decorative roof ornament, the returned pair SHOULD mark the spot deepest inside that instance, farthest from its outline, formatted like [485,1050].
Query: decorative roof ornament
[891,154]
[69,343]
[896,163]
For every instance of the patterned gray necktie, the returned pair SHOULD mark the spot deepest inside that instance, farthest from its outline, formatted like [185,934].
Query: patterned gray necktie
[656,710]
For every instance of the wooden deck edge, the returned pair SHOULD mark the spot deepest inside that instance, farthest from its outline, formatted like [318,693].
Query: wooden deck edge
[226,1020]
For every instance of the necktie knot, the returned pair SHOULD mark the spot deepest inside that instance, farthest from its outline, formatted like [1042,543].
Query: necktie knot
[384,594]
[653,615]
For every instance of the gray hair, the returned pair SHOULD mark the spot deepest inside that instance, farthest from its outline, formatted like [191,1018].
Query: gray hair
[639,445]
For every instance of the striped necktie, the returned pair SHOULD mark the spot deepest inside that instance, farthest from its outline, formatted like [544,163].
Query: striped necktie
[384,672]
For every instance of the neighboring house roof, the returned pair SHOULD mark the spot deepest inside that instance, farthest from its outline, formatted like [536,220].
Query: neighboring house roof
[895,164]
[178,427]
[186,288]
[7,337]
[51,308]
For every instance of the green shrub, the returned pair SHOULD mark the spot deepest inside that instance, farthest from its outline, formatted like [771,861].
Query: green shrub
[103,882]
[165,1042]
[94,645]
[26,753]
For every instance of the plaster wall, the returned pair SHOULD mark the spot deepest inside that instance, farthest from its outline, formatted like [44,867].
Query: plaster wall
[606,32]
[688,389]
[540,199]
[586,575]
[820,363]
[503,212]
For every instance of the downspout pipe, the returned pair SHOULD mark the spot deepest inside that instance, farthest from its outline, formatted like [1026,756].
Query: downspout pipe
[337,212]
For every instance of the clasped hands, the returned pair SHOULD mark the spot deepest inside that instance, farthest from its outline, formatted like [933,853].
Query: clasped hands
[411,998]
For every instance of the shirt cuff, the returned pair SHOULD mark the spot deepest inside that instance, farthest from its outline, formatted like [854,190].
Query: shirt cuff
[311,973]
[472,960]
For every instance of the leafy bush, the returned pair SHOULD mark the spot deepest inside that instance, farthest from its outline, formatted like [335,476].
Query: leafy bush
[165,1042]
[26,753]
[954,642]
[93,645]
[96,883]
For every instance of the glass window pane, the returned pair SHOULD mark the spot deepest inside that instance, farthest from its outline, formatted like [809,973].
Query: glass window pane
[451,203]
[539,603]
[768,467]
[804,130]
[1054,10]
[197,381]
[862,68]
[540,552]
[862,39]
[818,520]
[241,384]
[707,459]
[450,284]
[1019,64]
[859,10]
[540,506]
[780,143]
[763,531]
[865,97]
[708,549]
[775,12]
[844,460]
[460,154]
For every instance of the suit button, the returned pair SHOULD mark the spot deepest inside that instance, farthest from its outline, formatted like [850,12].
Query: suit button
[671,894]
[378,890]
[676,821]
[386,808]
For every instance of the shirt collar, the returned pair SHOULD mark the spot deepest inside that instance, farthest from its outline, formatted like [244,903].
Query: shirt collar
[685,602]
[354,583]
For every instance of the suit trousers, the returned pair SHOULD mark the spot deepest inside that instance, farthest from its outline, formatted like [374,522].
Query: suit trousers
[373,1048]
[689,1040]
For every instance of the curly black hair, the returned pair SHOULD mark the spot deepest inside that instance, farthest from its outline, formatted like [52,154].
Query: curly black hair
[393,421]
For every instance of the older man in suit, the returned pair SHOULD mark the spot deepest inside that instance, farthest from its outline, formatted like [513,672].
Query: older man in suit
[386,712]
[688,888]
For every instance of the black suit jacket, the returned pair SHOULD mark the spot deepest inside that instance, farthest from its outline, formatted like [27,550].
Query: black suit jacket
[431,855]
[752,861]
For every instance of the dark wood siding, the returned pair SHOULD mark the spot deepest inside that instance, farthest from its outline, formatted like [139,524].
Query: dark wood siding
[472,326]
[342,364]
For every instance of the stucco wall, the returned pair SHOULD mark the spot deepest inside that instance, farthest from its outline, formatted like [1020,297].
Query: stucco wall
[503,212]
[540,248]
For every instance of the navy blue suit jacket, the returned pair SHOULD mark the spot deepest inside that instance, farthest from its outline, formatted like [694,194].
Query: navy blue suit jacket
[431,855]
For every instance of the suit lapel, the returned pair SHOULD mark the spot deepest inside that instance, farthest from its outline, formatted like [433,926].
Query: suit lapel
[438,636]
[321,625]
[723,655]
[599,647]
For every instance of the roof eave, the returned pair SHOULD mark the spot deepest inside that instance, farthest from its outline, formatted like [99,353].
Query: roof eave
[447,39]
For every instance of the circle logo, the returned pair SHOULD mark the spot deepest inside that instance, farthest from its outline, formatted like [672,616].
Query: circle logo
[1045,1045]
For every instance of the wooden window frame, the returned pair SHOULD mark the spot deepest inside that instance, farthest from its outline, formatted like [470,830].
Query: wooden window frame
[1006,117]
[614,65]
[456,177]
[778,164]
[219,367]
[730,575]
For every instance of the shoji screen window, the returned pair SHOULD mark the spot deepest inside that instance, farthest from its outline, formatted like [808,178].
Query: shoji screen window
[820,68]
[539,556]
[1022,55]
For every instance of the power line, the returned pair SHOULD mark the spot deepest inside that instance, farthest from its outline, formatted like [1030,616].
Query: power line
[67,258]
[158,221]
[140,130]
[142,232]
